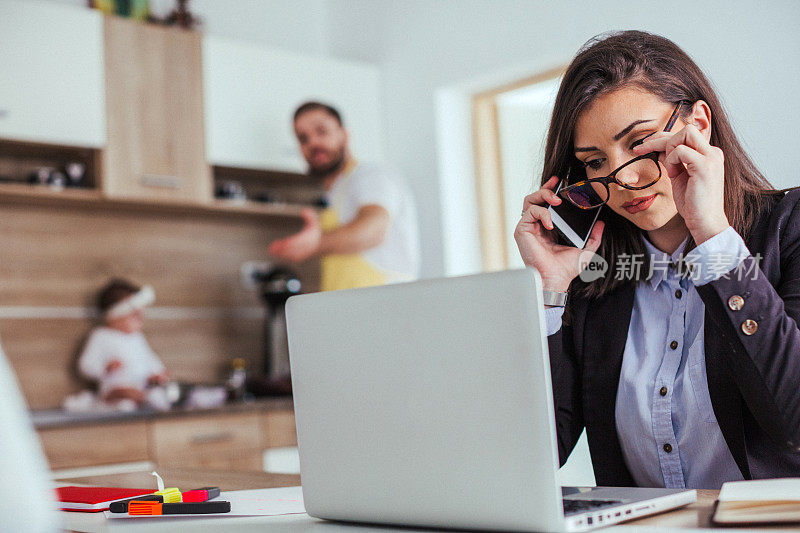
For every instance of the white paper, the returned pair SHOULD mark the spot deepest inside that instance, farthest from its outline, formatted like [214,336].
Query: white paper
[260,502]
[782,489]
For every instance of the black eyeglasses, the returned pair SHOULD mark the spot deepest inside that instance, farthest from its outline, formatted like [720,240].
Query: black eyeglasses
[594,192]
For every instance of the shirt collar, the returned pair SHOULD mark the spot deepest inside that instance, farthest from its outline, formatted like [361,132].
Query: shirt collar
[661,261]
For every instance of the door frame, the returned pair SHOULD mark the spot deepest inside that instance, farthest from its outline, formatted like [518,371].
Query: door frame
[489,168]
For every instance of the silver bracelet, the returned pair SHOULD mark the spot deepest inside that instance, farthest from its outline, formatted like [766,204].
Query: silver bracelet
[555,299]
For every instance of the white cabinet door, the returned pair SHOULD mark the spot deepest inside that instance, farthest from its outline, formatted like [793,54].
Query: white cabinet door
[252,91]
[52,85]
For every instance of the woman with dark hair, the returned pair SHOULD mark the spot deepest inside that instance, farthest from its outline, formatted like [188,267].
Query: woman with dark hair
[683,361]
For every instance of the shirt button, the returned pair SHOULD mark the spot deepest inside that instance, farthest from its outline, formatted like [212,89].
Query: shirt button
[674,344]
[749,326]
[678,294]
[663,391]
[668,447]
[735,302]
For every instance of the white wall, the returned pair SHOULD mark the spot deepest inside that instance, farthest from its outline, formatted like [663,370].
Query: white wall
[750,50]
[299,25]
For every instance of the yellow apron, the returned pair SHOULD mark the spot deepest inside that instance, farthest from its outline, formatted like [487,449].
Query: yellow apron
[345,271]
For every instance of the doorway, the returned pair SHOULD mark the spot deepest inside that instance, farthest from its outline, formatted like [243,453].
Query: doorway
[510,125]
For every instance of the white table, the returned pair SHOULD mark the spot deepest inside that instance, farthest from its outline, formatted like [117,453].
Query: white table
[693,517]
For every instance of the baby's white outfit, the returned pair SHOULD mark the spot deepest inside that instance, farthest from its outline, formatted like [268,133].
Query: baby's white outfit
[105,345]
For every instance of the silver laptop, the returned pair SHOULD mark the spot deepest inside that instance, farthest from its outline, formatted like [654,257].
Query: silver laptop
[430,404]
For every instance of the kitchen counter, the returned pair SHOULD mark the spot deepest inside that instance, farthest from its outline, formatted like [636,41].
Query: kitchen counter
[233,436]
[55,418]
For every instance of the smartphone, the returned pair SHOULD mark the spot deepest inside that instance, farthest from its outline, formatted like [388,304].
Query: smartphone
[574,223]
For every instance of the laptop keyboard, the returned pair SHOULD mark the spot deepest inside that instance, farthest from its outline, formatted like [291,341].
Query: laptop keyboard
[579,506]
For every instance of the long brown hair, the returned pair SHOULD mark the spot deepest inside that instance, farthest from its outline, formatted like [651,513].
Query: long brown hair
[657,65]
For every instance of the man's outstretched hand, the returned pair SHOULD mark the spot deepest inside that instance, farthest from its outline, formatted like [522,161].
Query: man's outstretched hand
[303,244]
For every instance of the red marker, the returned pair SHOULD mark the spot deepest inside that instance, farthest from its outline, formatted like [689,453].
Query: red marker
[200,495]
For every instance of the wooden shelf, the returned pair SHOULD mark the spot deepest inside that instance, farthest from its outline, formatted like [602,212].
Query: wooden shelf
[258,208]
[285,187]
[19,194]
[273,177]
[45,194]
[19,159]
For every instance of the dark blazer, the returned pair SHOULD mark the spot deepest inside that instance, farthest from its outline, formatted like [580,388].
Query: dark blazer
[753,380]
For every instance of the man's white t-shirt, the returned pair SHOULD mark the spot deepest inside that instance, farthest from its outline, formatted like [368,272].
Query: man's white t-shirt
[105,345]
[398,256]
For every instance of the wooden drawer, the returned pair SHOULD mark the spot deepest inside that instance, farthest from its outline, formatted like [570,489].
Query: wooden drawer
[279,429]
[233,460]
[206,440]
[95,445]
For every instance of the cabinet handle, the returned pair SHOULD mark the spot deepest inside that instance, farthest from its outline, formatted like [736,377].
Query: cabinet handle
[161,180]
[212,437]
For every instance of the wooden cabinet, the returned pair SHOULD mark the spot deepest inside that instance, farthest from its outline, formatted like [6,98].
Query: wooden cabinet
[217,441]
[251,92]
[154,103]
[51,87]
[93,445]
[279,429]
[163,103]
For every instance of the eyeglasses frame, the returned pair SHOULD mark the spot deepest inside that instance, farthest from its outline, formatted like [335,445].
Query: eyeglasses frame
[612,178]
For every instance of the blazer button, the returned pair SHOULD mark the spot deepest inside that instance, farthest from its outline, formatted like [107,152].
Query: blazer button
[749,326]
[735,302]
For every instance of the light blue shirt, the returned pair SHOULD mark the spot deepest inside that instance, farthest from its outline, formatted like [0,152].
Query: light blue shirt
[664,419]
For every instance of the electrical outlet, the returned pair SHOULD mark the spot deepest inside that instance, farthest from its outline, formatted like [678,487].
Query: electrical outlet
[247,271]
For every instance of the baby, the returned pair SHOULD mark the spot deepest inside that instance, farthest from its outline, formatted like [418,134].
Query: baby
[117,355]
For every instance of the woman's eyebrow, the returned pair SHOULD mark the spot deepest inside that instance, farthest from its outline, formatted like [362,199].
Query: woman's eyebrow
[617,137]
[630,126]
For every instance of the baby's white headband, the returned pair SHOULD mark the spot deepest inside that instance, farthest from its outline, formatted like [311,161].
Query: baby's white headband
[146,296]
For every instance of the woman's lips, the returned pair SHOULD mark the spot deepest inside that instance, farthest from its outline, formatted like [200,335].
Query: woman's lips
[639,204]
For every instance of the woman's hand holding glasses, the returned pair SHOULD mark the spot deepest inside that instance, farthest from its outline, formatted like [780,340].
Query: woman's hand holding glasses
[697,172]
[557,264]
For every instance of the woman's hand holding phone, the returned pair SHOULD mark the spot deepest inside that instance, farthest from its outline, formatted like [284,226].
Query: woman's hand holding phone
[557,264]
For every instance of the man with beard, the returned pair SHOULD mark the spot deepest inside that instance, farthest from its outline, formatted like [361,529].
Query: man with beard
[368,233]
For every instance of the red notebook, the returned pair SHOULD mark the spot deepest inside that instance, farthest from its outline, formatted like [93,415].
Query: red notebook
[94,499]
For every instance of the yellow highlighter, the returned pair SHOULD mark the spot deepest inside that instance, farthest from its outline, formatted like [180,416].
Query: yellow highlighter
[170,495]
